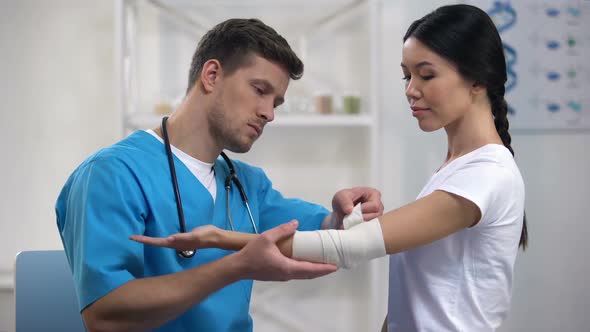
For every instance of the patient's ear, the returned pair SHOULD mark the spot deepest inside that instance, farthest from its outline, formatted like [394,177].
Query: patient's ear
[478,89]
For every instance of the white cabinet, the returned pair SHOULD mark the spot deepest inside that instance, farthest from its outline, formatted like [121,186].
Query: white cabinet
[306,153]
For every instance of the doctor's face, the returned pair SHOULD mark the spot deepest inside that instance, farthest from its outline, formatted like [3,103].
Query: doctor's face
[246,102]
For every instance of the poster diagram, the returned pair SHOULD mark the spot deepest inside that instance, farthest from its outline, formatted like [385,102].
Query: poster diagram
[547,48]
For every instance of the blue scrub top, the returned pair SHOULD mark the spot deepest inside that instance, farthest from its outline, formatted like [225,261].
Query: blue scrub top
[126,189]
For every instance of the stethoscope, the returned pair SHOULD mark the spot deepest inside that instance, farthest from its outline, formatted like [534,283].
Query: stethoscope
[231,177]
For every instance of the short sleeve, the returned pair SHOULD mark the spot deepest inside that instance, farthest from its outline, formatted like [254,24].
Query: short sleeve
[100,206]
[276,209]
[481,182]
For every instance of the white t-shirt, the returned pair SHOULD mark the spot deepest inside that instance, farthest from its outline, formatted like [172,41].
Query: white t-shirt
[201,170]
[463,282]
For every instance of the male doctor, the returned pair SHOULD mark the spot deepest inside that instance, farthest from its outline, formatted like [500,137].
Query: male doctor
[239,74]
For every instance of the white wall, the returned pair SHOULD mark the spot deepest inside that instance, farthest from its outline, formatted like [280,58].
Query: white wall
[59,105]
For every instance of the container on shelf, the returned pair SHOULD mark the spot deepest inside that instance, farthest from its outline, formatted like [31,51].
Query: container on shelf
[351,104]
[297,105]
[323,104]
[163,108]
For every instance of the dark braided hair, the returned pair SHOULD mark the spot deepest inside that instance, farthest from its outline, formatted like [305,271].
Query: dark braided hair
[233,43]
[467,36]
[499,110]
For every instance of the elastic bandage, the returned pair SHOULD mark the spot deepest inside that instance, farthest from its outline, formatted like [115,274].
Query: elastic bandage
[343,248]
[354,218]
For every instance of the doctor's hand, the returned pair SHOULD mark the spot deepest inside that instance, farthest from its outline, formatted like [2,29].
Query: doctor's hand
[264,260]
[344,201]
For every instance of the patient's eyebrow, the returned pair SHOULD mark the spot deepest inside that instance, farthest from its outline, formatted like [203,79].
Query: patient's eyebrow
[418,65]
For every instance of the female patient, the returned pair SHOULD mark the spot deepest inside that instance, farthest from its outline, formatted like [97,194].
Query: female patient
[453,249]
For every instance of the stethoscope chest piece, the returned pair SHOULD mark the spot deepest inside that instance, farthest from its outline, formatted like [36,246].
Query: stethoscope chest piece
[186,253]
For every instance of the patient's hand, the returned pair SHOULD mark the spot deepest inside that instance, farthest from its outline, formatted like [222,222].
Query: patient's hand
[199,238]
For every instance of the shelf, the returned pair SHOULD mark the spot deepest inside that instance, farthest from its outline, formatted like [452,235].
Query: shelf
[283,15]
[319,120]
[155,53]
[144,120]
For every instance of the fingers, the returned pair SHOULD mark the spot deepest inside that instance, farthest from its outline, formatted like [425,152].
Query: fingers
[346,199]
[371,216]
[177,241]
[347,206]
[372,210]
[343,201]
[308,270]
[153,241]
[372,206]
[281,232]
[185,238]
[368,195]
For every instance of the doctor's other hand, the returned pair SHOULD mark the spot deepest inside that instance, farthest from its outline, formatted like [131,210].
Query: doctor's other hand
[199,238]
[264,260]
[344,201]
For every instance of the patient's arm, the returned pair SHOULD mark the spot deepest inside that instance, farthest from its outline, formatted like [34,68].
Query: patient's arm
[209,236]
[426,220]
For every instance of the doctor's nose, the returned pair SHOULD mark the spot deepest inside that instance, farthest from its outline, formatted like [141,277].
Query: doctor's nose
[267,112]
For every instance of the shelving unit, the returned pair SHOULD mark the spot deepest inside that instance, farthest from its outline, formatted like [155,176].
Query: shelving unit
[305,153]
[156,39]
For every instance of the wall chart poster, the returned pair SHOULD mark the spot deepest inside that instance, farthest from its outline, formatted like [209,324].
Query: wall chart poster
[547,47]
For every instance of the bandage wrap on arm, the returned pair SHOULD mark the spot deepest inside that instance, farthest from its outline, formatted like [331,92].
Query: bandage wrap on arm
[343,248]
[354,218]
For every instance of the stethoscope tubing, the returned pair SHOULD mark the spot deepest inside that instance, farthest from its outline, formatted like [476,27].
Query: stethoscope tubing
[173,175]
[231,177]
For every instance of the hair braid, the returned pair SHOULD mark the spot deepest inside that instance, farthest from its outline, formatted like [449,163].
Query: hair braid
[500,111]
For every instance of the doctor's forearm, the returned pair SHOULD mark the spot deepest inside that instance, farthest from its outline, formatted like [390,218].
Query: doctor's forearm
[147,303]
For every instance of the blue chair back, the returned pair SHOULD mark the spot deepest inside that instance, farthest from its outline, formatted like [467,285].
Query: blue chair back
[44,293]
